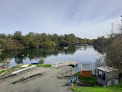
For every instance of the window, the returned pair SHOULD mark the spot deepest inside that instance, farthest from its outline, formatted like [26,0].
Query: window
[85,67]
[101,74]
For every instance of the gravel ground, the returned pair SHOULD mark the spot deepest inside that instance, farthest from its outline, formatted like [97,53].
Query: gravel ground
[47,82]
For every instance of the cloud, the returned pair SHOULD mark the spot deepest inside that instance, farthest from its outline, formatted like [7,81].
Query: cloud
[84,18]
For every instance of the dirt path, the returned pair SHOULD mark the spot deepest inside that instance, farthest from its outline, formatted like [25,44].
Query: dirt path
[47,82]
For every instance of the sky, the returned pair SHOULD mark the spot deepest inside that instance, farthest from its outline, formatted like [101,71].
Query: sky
[84,18]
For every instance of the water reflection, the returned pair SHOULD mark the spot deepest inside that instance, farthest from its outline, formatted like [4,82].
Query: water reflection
[20,55]
[27,56]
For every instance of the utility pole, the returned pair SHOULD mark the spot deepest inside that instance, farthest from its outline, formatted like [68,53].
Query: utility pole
[121,25]
[111,29]
[121,18]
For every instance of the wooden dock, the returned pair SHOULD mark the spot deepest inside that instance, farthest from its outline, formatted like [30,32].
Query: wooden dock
[64,63]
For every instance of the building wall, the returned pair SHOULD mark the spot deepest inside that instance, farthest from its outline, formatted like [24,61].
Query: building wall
[103,82]
[86,73]
[110,78]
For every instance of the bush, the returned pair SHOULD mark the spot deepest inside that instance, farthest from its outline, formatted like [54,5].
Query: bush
[44,65]
[41,61]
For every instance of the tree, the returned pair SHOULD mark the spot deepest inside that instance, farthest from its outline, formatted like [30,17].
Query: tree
[18,35]
[114,52]
[3,36]
[41,61]
[1,44]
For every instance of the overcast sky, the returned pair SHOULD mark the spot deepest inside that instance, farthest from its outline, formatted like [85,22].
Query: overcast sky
[84,18]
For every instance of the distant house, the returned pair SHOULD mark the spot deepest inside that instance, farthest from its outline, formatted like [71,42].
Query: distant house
[107,76]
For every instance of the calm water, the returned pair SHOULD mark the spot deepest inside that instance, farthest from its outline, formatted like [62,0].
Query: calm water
[28,56]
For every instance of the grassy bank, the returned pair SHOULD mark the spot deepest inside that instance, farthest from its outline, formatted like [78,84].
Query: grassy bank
[18,66]
[117,88]
[57,67]
[4,71]
[44,65]
[96,88]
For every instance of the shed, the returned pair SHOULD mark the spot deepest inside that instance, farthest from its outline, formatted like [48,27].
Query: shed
[107,76]
[86,69]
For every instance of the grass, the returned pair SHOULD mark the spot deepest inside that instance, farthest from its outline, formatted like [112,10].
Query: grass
[3,71]
[91,80]
[57,68]
[17,66]
[74,84]
[96,88]
[44,65]
[29,65]
[66,76]
[116,88]
[92,89]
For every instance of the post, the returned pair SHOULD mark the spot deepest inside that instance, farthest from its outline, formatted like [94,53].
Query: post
[71,83]
[77,79]
[28,78]
[80,67]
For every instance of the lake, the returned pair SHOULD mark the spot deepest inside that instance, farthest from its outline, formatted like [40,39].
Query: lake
[28,56]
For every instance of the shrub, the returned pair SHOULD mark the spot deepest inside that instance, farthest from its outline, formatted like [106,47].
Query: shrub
[44,65]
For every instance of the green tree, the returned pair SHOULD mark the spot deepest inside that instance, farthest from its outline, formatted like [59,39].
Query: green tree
[3,36]
[18,35]
[1,44]
[114,52]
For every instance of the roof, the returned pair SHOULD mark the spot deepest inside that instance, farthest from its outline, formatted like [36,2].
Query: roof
[85,63]
[107,68]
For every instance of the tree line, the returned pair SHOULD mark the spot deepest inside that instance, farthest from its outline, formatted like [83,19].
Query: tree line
[112,48]
[36,40]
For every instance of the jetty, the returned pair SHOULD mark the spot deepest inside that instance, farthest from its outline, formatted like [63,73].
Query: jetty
[64,63]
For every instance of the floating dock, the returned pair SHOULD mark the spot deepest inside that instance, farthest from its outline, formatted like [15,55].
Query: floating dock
[64,63]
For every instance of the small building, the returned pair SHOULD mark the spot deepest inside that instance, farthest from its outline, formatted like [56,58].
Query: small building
[107,76]
[86,69]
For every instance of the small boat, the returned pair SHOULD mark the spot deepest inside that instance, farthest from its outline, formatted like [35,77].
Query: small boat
[34,63]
